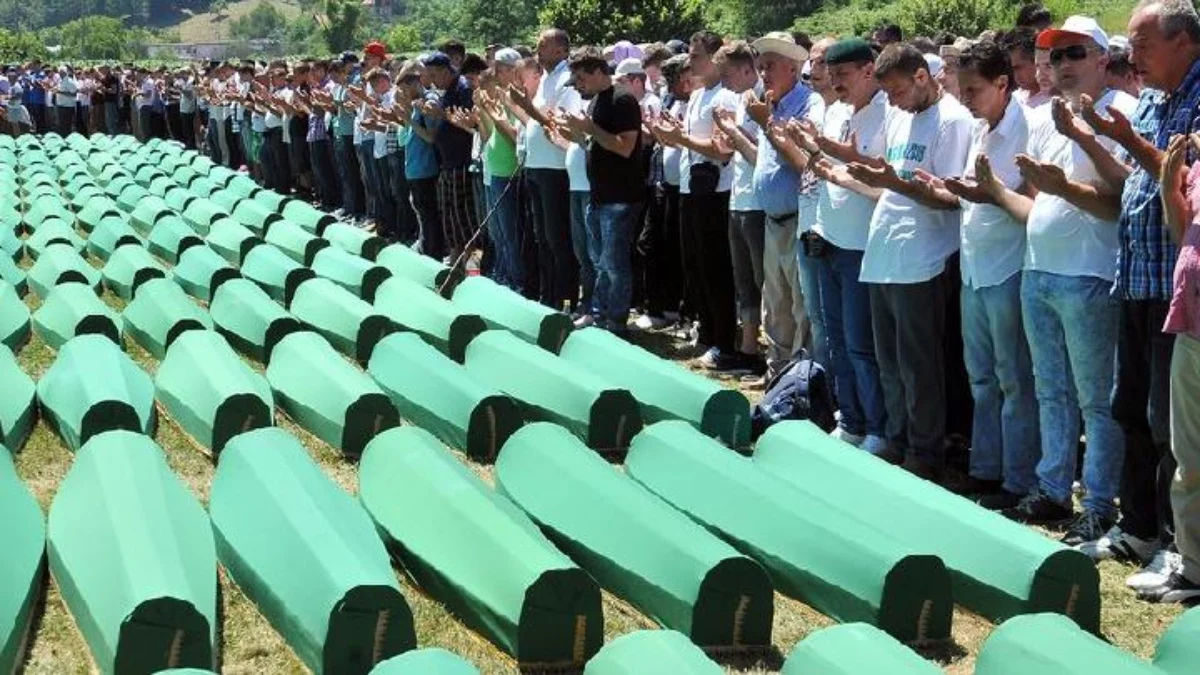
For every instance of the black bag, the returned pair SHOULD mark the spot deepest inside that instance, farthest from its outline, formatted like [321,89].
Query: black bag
[800,391]
[705,177]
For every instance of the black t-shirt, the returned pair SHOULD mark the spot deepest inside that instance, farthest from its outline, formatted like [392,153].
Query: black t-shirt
[454,144]
[616,179]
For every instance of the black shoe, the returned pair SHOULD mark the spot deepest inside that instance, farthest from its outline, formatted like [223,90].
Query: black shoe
[1087,528]
[999,501]
[1176,588]
[1038,509]
[924,470]
[755,365]
[725,362]
[970,486]
[891,456]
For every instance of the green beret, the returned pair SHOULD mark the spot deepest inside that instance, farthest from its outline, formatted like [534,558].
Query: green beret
[851,50]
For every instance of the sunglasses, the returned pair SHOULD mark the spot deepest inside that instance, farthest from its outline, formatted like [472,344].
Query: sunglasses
[1072,53]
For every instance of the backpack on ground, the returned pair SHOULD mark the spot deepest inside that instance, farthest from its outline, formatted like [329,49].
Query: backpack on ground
[800,391]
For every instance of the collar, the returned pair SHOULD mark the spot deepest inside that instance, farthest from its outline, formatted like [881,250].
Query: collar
[880,99]
[1007,121]
[1189,83]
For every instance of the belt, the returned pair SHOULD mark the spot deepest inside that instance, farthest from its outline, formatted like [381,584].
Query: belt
[779,220]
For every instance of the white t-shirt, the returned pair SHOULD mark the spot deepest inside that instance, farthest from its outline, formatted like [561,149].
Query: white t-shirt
[67,88]
[673,157]
[274,121]
[381,145]
[552,93]
[1064,239]
[699,123]
[742,196]
[577,168]
[187,96]
[83,95]
[844,216]
[808,192]
[908,243]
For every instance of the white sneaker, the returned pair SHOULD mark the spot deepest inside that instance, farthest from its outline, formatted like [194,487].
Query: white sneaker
[1155,574]
[841,434]
[647,322]
[1117,544]
[874,444]
[585,321]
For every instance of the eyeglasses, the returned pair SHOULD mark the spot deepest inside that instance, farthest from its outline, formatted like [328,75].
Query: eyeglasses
[1072,53]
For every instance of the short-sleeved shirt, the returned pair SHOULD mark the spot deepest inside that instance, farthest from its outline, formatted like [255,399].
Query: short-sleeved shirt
[453,143]
[742,197]
[1183,316]
[672,157]
[698,123]
[500,153]
[553,92]
[67,88]
[775,180]
[616,179]
[420,156]
[843,215]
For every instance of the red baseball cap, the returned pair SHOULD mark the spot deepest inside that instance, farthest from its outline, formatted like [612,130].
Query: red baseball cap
[375,49]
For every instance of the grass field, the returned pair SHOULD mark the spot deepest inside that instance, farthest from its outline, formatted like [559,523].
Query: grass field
[250,645]
[213,27]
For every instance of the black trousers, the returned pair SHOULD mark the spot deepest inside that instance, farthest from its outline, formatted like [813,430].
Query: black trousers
[960,404]
[658,247]
[188,122]
[424,195]
[559,270]
[527,236]
[708,268]
[65,121]
[38,114]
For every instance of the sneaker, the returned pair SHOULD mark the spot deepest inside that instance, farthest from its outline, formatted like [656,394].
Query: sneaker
[1164,564]
[1176,588]
[876,445]
[841,434]
[1117,544]
[1038,509]
[718,361]
[1087,528]
[693,333]
[585,321]
[999,501]
[647,322]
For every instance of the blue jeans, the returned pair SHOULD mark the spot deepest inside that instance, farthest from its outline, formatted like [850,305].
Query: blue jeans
[579,241]
[810,287]
[1004,437]
[349,175]
[1071,323]
[502,229]
[610,246]
[846,307]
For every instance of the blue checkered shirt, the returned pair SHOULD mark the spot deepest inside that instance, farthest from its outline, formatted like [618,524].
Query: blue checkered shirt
[1146,264]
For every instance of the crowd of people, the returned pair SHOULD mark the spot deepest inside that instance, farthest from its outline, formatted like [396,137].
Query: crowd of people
[987,238]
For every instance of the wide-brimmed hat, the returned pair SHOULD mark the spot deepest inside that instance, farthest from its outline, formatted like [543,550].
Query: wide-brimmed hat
[781,43]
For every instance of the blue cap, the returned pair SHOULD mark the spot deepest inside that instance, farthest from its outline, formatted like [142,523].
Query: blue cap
[438,59]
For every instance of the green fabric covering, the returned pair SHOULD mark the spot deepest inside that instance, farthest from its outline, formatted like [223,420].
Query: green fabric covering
[307,554]
[442,522]
[161,312]
[110,234]
[275,272]
[251,321]
[999,568]
[116,186]
[170,238]
[94,387]
[438,395]
[646,651]
[10,245]
[552,390]
[96,210]
[503,308]
[437,320]
[146,174]
[255,216]
[61,264]
[204,187]
[180,199]
[72,310]
[1178,649]
[242,187]
[429,661]
[306,216]
[49,206]
[148,212]
[14,318]
[1052,644]
[53,232]
[226,199]
[232,240]
[354,240]
[404,262]
[10,217]
[351,325]
[200,214]
[18,408]
[326,395]
[271,200]
[357,275]
[128,268]
[210,392]
[131,196]
[221,174]
[132,552]
[13,276]
[295,241]
[201,271]
[85,196]
[855,649]
[633,543]
[77,184]
[664,389]
[159,185]
[821,553]
[23,530]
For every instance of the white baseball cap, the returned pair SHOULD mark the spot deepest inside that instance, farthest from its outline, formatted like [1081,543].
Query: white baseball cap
[935,63]
[508,56]
[630,66]
[1074,26]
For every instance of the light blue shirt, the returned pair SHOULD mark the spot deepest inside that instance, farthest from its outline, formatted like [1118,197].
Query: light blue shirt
[775,181]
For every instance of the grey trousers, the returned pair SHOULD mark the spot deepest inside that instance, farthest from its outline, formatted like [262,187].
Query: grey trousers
[746,250]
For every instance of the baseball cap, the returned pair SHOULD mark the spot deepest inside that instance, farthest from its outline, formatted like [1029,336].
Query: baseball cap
[1074,26]
[625,50]
[349,57]
[376,49]
[437,60]
[508,56]
[1118,42]
[935,63]
[630,66]
[781,43]
[851,50]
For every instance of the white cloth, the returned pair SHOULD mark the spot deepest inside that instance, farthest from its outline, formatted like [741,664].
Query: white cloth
[908,243]
[742,197]
[1064,239]
[673,157]
[577,168]
[552,93]
[698,123]
[1035,101]
[809,192]
[844,216]
[381,145]
[67,88]
[993,242]
[187,96]
[272,120]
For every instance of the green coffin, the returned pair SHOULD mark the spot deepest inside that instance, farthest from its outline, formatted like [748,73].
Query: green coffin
[202,164]
[276,273]
[295,241]
[14,318]
[232,240]
[78,184]
[161,312]
[664,389]
[357,275]
[128,268]
[1178,650]
[999,568]
[61,264]
[130,196]
[204,187]
[148,212]
[438,395]
[354,240]
[552,390]
[651,651]
[442,522]
[116,186]
[404,262]
[225,198]
[251,321]
[86,195]
[633,543]
[201,271]
[94,387]
[146,175]
[13,276]
[210,392]
[255,216]
[429,661]
[308,217]
[43,208]
[271,199]
[327,395]
[1052,644]
[53,231]
[307,554]
[503,308]
[23,530]
[438,321]
[71,310]
[159,185]
[96,210]
[221,174]
[179,199]
[18,412]
[10,245]
[110,234]
[170,238]
[132,552]
[241,187]
[200,214]
[10,218]
[819,552]
[351,325]
[855,649]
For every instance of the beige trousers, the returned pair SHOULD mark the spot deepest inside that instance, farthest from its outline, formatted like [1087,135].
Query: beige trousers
[1185,443]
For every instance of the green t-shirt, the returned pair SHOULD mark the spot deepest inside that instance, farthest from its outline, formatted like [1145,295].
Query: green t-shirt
[500,154]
